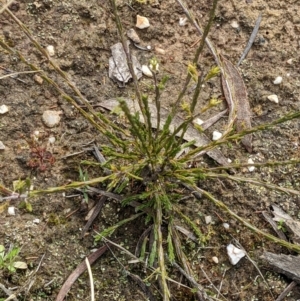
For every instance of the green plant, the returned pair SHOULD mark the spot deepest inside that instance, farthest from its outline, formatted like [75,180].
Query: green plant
[21,188]
[8,258]
[280,226]
[144,166]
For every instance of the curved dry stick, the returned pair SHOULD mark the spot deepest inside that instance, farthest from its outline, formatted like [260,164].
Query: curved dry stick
[77,272]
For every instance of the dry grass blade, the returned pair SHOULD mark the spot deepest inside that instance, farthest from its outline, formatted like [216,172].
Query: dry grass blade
[211,283]
[209,122]
[14,74]
[222,206]
[77,272]
[240,101]
[143,286]
[186,270]
[8,292]
[287,290]
[254,181]
[96,210]
[269,219]
[251,40]
[6,6]
[255,265]
[91,279]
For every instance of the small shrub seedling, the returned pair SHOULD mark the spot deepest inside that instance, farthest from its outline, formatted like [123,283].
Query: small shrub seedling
[150,168]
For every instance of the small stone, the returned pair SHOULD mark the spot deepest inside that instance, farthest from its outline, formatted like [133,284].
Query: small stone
[36,221]
[51,118]
[215,259]
[198,121]
[226,226]
[290,61]
[146,71]
[159,50]
[234,24]
[208,219]
[11,210]
[216,135]
[278,80]
[2,146]
[132,35]
[251,168]
[3,109]
[142,22]
[51,50]
[273,98]
[36,135]
[38,79]
[182,21]
[235,254]
[229,160]
[51,140]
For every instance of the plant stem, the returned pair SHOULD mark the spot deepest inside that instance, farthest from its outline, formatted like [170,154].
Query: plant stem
[69,186]
[225,139]
[160,251]
[222,206]
[199,49]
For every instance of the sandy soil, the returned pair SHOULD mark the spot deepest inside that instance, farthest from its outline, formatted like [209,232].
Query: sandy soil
[82,33]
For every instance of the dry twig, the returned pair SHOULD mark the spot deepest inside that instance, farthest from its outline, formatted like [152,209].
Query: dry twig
[251,40]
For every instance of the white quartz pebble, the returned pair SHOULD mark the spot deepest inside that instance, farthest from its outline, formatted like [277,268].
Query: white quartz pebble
[208,219]
[278,80]
[146,71]
[226,226]
[3,109]
[273,98]
[235,24]
[142,22]
[216,135]
[215,259]
[51,140]
[251,168]
[51,50]
[51,118]
[2,146]
[11,210]
[198,121]
[182,21]
[235,254]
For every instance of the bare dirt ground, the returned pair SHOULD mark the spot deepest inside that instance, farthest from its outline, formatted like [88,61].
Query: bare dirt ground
[82,33]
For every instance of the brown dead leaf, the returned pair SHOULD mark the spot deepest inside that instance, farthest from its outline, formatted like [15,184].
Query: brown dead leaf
[238,100]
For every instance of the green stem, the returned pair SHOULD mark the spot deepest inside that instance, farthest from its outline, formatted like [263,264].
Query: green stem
[225,139]
[160,251]
[69,186]
[222,206]
[240,165]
